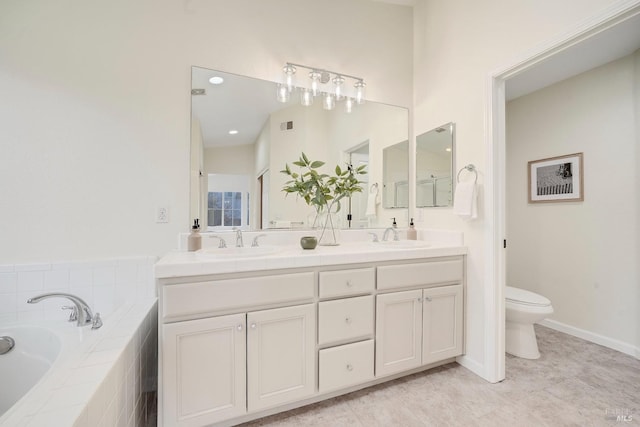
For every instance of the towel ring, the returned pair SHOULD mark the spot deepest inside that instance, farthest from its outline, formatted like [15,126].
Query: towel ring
[471,168]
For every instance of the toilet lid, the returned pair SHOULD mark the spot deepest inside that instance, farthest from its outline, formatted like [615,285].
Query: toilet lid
[522,296]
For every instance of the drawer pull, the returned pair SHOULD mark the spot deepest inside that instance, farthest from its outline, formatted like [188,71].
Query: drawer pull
[349,367]
[348,320]
[253,326]
[349,284]
[239,327]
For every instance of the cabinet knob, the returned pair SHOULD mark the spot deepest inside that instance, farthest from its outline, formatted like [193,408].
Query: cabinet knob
[349,284]
[419,299]
[428,299]
[347,320]
[349,367]
[253,326]
[239,327]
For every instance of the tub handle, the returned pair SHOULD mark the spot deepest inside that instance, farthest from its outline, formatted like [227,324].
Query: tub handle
[73,316]
[96,323]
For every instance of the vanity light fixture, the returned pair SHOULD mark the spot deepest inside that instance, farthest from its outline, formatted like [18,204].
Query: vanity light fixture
[317,78]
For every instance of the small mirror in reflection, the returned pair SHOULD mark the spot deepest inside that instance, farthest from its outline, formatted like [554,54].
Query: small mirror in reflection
[434,167]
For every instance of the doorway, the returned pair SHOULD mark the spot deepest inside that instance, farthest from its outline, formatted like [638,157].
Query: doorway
[612,30]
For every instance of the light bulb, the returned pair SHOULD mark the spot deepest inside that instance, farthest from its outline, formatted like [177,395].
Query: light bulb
[338,80]
[315,82]
[348,105]
[282,93]
[289,71]
[329,101]
[359,91]
[306,97]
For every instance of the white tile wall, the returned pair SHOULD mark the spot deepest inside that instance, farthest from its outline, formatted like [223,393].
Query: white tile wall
[103,284]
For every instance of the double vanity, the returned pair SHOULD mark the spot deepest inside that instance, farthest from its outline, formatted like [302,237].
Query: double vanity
[249,332]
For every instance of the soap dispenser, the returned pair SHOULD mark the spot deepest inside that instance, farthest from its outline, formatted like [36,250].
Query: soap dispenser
[194,241]
[412,233]
[395,224]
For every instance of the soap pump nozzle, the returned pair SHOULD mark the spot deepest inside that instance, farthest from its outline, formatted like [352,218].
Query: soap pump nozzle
[395,224]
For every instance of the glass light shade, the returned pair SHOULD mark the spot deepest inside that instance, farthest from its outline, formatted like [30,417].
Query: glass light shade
[315,82]
[283,93]
[338,81]
[289,71]
[306,97]
[359,91]
[329,101]
[348,105]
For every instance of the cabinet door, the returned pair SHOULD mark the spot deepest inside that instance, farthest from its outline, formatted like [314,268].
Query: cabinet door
[204,370]
[442,323]
[398,331]
[280,355]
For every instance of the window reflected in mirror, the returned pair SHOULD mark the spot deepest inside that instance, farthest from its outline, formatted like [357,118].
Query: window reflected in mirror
[434,167]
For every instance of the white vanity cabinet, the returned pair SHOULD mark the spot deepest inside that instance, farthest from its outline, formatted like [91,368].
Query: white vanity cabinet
[419,326]
[238,346]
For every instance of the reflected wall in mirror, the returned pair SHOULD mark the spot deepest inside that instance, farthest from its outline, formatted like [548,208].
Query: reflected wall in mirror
[235,177]
[434,167]
[396,176]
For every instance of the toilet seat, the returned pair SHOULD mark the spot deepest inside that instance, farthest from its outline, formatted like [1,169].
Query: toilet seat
[524,297]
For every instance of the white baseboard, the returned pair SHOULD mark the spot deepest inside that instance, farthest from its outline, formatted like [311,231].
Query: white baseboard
[473,366]
[612,343]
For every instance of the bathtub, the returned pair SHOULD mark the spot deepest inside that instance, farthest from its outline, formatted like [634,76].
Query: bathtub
[36,349]
[64,375]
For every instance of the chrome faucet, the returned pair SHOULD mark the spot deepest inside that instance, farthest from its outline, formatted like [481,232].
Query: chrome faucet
[239,242]
[254,243]
[386,234]
[81,311]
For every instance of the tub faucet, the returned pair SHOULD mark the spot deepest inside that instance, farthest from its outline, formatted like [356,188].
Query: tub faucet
[82,312]
[239,242]
[386,234]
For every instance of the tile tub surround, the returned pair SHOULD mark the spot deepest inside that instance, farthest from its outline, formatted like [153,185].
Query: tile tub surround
[114,381]
[110,381]
[103,284]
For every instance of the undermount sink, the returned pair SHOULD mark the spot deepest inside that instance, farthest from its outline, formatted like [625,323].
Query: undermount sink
[401,244]
[235,252]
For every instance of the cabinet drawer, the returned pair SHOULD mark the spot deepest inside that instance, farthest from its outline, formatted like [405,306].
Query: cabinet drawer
[345,365]
[420,274]
[346,282]
[345,319]
[232,294]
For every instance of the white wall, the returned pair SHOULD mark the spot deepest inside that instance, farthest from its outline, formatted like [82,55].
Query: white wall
[457,44]
[583,256]
[94,119]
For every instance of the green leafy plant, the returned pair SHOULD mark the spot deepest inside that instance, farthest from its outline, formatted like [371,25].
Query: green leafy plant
[320,190]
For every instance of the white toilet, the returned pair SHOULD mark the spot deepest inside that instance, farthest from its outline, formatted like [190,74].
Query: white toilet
[523,309]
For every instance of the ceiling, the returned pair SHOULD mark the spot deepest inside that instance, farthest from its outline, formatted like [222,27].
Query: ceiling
[614,43]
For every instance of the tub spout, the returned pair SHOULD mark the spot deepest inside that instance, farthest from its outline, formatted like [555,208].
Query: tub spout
[84,315]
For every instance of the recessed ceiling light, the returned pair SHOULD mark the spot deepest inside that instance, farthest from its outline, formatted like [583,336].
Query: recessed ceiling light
[233,132]
[216,80]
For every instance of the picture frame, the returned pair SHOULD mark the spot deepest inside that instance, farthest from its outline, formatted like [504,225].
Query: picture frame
[556,179]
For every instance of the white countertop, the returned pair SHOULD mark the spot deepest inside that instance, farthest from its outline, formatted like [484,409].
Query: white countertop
[180,263]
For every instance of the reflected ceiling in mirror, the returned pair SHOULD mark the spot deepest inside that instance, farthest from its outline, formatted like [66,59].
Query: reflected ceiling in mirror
[236,179]
[434,167]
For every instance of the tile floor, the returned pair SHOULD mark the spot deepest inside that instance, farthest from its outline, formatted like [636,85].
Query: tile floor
[574,383]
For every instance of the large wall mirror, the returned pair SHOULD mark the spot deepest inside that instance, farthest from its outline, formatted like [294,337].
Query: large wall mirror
[242,137]
[434,167]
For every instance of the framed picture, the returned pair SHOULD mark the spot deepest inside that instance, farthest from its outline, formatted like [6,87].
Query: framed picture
[557,179]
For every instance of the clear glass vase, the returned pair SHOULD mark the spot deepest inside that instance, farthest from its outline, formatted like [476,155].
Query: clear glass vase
[328,228]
